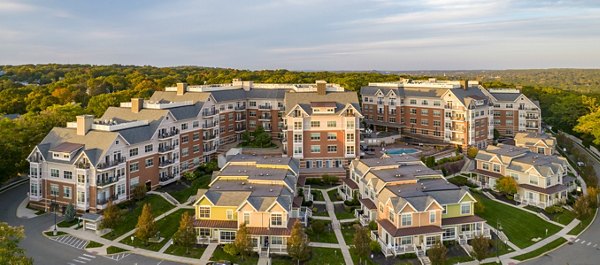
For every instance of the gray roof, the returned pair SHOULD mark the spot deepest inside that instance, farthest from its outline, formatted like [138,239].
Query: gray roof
[171,96]
[387,160]
[293,163]
[261,196]
[187,112]
[510,97]
[371,90]
[469,94]
[304,99]
[96,143]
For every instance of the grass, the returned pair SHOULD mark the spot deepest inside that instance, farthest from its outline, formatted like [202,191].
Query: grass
[317,195]
[455,260]
[129,218]
[519,226]
[319,256]
[348,232]
[167,227]
[550,246]
[94,244]
[194,252]
[356,259]
[333,195]
[220,254]
[58,233]
[199,183]
[564,218]
[328,236]
[64,223]
[581,226]
[114,250]
[345,214]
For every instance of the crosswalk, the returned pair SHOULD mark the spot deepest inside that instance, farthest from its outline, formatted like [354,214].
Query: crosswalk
[72,241]
[587,243]
[118,256]
[83,259]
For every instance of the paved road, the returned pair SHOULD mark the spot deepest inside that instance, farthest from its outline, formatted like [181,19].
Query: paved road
[45,251]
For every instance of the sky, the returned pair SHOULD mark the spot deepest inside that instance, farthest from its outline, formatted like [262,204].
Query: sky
[305,34]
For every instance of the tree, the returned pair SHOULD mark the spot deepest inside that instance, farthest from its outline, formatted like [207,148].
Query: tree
[361,241]
[70,213]
[328,179]
[186,234]
[507,185]
[496,134]
[582,208]
[592,196]
[243,241]
[472,152]
[317,227]
[481,246]
[10,252]
[110,216]
[297,244]
[139,192]
[437,254]
[146,227]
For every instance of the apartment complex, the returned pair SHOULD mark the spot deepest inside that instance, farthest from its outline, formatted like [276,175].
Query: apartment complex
[152,142]
[260,192]
[413,205]
[457,112]
[542,179]
[540,143]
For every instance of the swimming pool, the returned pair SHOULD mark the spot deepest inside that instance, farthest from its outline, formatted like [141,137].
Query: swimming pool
[401,151]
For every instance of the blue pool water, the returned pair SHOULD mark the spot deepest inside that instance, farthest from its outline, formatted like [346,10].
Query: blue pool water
[400,151]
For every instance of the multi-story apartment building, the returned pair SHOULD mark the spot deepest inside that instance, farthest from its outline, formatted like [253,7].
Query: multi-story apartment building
[457,112]
[413,205]
[92,161]
[542,179]
[260,192]
[514,112]
[540,143]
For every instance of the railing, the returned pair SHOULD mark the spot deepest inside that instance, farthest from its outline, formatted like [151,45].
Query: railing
[35,160]
[165,149]
[403,249]
[209,137]
[105,200]
[166,178]
[210,150]
[107,181]
[240,118]
[265,117]
[166,163]
[380,102]
[171,133]
[240,129]
[207,125]
[210,113]
[112,163]
[242,107]
[83,165]
[264,106]
[35,176]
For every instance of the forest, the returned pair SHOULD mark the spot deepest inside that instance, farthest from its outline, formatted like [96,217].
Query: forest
[49,95]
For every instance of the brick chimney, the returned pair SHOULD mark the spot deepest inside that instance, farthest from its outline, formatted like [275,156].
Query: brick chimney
[84,124]
[137,104]
[181,88]
[464,84]
[321,87]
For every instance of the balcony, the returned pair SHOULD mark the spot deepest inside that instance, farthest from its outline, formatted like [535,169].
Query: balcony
[82,166]
[364,220]
[165,135]
[167,179]
[208,125]
[240,129]
[267,107]
[240,108]
[208,113]
[111,164]
[35,159]
[165,149]
[265,117]
[240,118]
[457,118]
[103,182]
[532,117]
[379,102]
[208,151]
[209,137]
[166,163]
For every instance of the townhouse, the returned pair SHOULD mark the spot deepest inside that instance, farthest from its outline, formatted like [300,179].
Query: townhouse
[260,192]
[540,143]
[92,161]
[542,179]
[414,206]
[457,112]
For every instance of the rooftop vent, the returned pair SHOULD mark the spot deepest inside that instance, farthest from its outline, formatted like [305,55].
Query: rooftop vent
[250,187]
[271,190]
[218,187]
[267,174]
[243,183]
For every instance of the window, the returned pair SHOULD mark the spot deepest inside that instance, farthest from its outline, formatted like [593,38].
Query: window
[246,218]
[297,138]
[406,240]
[252,113]
[229,214]
[67,174]
[185,151]
[432,217]
[413,111]
[437,103]
[196,148]
[252,103]
[54,173]
[548,181]
[533,180]
[350,137]
[196,136]
[444,209]
[315,148]
[331,124]
[148,148]
[195,124]
[276,219]
[315,136]
[437,113]
[465,208]
[496,168]
[185,139]
[227,236]
[204,212]
[134,167]
[413,121]
[133,152]
[437,123]
[149,162]
[276,240]
[350,125]
[297,149]
[485,166]
[425,122]
[350,150]
[424,102]
[297,125]
[449,233]
[332,148]
[67,192]
[204,232]
[430,240]
[54,190]
[315,124]
[406,219]
[331,136]
[413,102]
[424,112]
[184,126]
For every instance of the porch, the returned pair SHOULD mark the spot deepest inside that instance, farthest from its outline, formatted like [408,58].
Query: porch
[399,245]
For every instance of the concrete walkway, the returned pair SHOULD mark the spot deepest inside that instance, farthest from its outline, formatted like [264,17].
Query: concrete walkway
[166,196]
[167,245]
[23,211]
[208,252]
[126,235]
[323,245]
[337,230]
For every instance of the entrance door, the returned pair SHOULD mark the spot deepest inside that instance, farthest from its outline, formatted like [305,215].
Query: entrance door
[266,242]
[148,185]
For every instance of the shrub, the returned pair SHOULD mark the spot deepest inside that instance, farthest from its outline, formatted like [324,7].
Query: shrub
[553,209]
[437,254]
[507,185]
[190,175]
[375,247]
[479,208]
[329,179]
[372,225]
[472,152]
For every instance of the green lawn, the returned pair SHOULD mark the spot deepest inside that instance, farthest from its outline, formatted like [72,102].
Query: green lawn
[333,195]
[319,256]
[194,252]
[94,244]
[64,223]
[519,226]
[564,218]
[114,250]
[356,259]
[199,183]
[581,226]
[455,260]
[319,212]
[51,233]
[348,233]
[317,195]
[167,227]
[220,254]
[345,214]
[129,218]
[550,246]
[328,236]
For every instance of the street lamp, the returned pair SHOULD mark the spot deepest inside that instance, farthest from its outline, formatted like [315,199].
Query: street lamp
[54,207]
[499,229]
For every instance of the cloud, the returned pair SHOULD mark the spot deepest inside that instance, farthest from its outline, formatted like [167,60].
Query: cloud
[12,7]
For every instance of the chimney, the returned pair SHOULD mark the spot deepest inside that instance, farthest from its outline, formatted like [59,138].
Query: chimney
[464,84]
[247,85]
[84,124]
[137,104]
[321,87]
[181,88]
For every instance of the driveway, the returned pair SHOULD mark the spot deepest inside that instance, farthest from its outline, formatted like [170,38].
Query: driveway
[45,251]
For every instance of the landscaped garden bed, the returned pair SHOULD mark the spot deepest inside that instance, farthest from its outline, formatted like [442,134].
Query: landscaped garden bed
[131,211]
[562,215]
[220,254]
[321,231]
[166,227]
[319,210]
[193,252]
[344,212]
[333,195]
